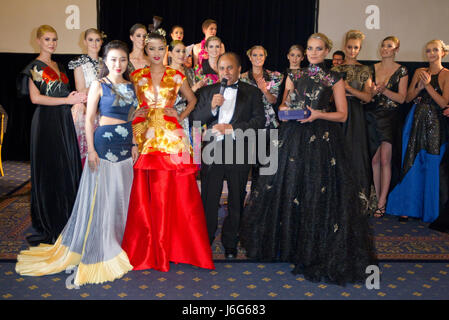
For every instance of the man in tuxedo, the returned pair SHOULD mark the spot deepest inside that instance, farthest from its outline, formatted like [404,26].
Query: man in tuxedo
[227,115]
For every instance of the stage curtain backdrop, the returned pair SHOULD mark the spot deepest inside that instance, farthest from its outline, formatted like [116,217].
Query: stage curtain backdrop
[241,23]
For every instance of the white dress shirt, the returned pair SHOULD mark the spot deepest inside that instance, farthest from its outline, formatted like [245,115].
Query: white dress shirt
[226,111]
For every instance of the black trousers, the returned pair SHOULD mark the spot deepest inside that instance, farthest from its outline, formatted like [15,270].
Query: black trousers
[212,177]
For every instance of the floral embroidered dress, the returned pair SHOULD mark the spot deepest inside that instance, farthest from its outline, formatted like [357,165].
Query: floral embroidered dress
[307,213]
[90,68]
[203,70]
[166,221]
[92,238]
[203,53]
[273,80]
[55,157]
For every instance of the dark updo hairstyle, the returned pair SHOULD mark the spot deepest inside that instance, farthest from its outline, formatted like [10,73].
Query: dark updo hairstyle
[114,44]
[176,26]
[155,35]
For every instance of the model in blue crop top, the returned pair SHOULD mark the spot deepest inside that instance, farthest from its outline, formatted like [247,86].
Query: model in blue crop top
[117,100]
[93,235]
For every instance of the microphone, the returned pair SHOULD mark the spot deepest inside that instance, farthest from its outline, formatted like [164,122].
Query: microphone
[223,84]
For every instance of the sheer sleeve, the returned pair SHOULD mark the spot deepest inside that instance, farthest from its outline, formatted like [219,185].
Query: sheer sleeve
[31,71]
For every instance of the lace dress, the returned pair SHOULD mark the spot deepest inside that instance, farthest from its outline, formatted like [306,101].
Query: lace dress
[307,213]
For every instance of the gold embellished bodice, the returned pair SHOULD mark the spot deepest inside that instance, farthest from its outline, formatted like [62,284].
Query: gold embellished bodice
[157,132]
[355,74]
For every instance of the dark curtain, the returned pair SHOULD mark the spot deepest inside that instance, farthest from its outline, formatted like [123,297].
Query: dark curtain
[276,25]
[241,24]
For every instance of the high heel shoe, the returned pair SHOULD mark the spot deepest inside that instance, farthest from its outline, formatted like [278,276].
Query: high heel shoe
[379,212]
[403,219]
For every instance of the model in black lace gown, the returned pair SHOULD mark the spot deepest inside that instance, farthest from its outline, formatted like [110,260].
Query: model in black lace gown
[307,213]
[55,157]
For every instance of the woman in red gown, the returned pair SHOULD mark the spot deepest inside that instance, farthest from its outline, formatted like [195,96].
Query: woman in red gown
[166,221]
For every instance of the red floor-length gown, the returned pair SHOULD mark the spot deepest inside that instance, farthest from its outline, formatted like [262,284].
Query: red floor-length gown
[166,221]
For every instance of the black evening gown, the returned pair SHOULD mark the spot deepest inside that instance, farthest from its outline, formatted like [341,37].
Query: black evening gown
[55,156]
[307,213]
[356,133]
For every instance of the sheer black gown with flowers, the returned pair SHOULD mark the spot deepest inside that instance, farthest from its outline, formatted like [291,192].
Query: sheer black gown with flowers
[308,212]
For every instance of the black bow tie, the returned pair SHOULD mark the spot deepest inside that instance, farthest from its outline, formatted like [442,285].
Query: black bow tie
[233,86]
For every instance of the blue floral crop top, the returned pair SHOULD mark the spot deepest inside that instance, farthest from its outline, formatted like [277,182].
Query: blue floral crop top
[117,100]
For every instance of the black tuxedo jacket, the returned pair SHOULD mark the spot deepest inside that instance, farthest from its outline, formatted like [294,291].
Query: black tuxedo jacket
[248,112]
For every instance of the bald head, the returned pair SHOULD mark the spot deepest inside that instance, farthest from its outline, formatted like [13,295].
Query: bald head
[233,55]
[229,67]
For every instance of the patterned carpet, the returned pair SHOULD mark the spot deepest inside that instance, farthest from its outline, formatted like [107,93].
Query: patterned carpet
[231,282]
[399,244]
[16,174]
[15,222]
[395,241]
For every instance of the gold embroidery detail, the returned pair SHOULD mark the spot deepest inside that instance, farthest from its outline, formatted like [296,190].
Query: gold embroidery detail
[312,139]
[159,132]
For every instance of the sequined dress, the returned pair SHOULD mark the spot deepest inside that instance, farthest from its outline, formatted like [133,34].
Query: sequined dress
[424,142]
[307,213]
[382,113]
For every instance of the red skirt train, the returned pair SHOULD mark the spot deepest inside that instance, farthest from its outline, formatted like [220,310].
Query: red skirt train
[166,221]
